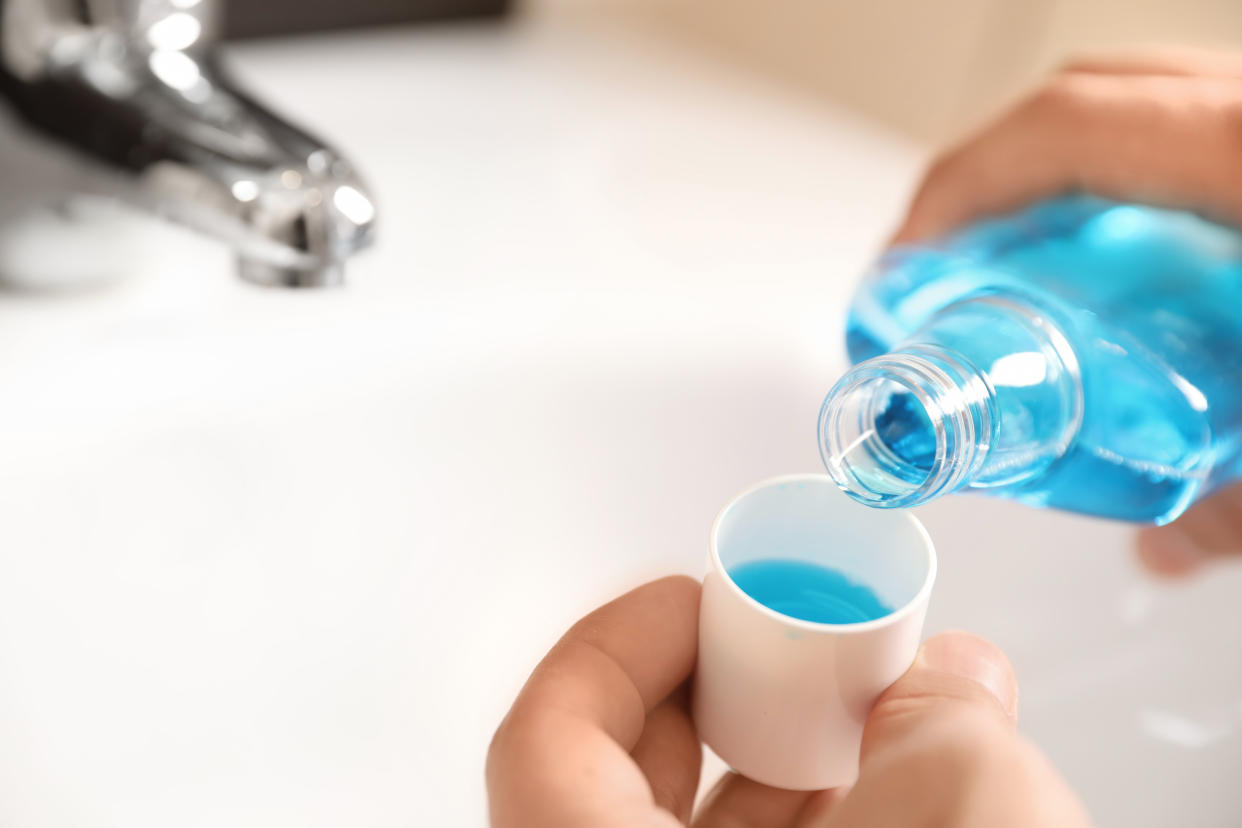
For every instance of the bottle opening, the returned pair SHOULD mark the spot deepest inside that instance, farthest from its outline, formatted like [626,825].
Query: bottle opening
[878,441]
[904,426]
[900,430]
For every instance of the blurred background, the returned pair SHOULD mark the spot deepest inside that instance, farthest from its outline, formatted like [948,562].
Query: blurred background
[282,17]
[284,557]
[926,69]
[923,68]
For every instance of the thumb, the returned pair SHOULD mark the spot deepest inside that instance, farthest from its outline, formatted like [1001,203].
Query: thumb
[1211,528]
[954,674]
[941,747]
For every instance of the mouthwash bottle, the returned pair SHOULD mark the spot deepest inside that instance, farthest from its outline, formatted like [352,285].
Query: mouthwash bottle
[1080,354]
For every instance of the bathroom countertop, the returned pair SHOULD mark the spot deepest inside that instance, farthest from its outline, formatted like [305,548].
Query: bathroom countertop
[283,559]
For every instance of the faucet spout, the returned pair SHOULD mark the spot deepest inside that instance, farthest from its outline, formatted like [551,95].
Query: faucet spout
[136,89]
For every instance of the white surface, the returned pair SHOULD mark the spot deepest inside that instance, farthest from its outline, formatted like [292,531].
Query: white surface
[276,559]
[781,700]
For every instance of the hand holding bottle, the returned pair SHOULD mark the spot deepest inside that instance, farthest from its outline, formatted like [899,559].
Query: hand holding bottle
[1163,128]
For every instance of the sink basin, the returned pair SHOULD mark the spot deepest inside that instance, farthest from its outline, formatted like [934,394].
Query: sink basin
[273,558]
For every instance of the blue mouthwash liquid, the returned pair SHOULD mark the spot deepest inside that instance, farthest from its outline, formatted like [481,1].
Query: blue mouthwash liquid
[808,591]
[1081,354]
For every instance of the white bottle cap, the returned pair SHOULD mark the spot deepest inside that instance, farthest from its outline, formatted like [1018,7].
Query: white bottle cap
[782,700]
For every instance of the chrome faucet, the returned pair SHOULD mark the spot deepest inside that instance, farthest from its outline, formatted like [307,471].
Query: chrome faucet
[126,98]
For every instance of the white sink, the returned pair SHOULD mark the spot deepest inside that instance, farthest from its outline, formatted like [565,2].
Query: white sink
[283,559]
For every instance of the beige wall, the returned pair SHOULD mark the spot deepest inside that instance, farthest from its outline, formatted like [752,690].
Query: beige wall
[927,67]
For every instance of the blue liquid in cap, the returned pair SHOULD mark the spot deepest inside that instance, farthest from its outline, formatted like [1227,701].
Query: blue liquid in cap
[808,591]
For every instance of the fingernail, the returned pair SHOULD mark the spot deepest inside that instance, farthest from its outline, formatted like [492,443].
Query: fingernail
[1170,551]
[977,659]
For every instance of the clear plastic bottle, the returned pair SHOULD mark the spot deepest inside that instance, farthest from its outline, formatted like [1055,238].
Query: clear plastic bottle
[1081,354]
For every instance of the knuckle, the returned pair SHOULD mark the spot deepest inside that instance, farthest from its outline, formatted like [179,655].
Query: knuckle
[518,737]
[497,745]
[1075,64]
[941,167]
[931,692]
[938,176]
[1225,158]
[958,738]
[911,710]
[1106,61]
[1231,117]
[1062,96]
[515,729]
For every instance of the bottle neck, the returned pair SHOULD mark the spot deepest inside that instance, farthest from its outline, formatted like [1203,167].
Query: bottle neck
[987,393]
[907,427]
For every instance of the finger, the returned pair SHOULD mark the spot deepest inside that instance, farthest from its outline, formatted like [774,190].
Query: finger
[670,756]
[953,672]
[1160,140]
[1169,60]
[620,661]
[738,802]
[1211,528]
[940,748]
[561,756]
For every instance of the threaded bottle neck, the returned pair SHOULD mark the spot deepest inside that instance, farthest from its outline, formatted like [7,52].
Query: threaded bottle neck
[906,427]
